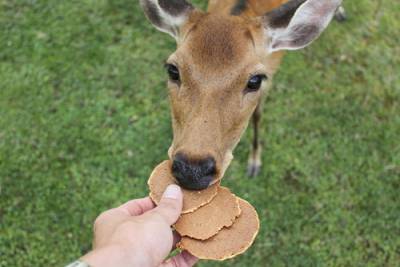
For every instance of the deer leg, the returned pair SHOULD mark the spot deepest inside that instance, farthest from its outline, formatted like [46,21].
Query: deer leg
[340,14]
[254,162]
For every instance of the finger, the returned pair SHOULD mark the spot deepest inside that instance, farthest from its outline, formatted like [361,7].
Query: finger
[183,259]
[176,239]
[170,205]
[137,206]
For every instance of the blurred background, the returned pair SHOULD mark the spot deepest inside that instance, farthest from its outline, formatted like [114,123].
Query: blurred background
[84,118]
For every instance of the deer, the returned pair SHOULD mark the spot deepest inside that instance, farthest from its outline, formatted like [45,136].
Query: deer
[221,71]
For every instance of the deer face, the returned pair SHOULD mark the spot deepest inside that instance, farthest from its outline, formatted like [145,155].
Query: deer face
[217,76]
[221,78]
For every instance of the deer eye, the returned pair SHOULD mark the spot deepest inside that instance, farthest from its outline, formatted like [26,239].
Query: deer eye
[173,72]
[255,82]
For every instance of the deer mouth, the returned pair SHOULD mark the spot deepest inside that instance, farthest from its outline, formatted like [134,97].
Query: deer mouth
[200,184]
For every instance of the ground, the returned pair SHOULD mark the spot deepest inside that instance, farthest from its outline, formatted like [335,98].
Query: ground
[84,118]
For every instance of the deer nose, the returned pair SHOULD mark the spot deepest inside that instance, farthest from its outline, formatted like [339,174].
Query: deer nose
[193,174]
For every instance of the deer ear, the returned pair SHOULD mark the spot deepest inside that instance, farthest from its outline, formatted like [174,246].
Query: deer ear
[167,15]
[297,23]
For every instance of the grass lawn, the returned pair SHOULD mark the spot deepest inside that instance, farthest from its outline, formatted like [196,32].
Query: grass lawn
[84,118]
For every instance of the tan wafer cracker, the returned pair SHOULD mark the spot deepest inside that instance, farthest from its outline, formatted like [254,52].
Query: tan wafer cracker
[229,242]
[161,177]
[206,221]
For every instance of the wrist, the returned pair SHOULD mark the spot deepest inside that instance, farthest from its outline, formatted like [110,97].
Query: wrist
[112,255]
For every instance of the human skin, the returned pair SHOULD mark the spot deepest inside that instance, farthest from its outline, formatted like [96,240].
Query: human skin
[139,234]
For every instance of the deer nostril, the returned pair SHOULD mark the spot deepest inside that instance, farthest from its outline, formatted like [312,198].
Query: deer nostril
[178,167]
[209,166]
[196,174]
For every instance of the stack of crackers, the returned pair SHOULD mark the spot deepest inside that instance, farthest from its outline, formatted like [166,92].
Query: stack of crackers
[214,224]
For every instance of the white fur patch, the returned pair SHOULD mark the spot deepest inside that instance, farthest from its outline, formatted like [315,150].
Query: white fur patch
[316,13]
[173,22]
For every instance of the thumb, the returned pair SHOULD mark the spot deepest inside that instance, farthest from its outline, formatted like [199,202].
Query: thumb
[170,206]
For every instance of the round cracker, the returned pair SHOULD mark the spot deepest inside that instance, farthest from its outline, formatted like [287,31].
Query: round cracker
[229,242]
[161,177]
[209,219]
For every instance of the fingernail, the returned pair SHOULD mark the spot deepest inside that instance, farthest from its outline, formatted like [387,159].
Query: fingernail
[172,191]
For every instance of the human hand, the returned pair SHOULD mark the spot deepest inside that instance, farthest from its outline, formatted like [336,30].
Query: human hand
[139,234]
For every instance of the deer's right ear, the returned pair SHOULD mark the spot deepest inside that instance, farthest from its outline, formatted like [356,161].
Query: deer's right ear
[167,15]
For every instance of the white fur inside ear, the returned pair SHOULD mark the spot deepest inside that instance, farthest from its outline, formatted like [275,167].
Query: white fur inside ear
[172,23]
[308,22]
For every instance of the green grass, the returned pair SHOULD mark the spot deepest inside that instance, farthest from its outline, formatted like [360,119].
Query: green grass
[84,118]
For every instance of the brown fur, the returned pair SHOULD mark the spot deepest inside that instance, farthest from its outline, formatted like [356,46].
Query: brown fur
[217,53]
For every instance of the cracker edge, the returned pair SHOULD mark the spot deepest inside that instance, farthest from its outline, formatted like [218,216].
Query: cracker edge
[151,195]
[205,203]
[178,245]
[223,226]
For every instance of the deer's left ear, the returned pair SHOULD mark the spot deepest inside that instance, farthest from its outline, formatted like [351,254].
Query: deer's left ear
[297,23]
[167,15]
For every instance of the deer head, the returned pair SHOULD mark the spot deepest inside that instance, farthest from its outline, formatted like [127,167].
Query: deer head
[222,66]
